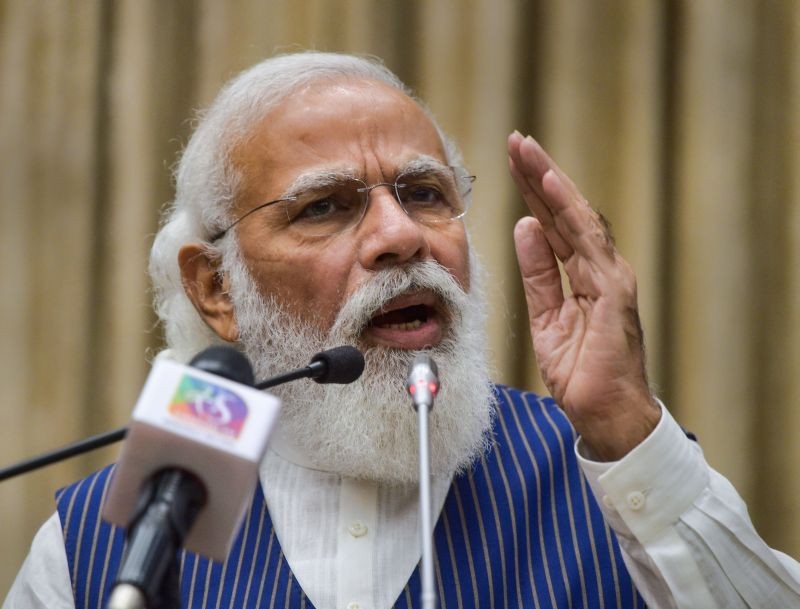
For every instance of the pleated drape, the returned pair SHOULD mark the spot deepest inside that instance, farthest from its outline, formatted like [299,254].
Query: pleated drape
[679,119]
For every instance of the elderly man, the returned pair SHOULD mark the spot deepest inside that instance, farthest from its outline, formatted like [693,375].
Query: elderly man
[317,204]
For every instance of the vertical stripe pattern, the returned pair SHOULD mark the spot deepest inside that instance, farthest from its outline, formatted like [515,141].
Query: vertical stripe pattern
[519,529]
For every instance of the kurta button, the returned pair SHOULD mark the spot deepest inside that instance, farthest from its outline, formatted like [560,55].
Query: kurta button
[357,529]
[636,500]
[608,502]
[353,606]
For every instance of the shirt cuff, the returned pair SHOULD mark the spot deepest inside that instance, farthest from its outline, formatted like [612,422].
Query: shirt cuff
[649,489]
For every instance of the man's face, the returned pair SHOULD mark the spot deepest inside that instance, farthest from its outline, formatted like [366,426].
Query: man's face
[371,131]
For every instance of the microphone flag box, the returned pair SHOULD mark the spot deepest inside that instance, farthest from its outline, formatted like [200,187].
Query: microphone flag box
[212,427]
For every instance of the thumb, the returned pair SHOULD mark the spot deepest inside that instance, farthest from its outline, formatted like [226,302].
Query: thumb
[541,277]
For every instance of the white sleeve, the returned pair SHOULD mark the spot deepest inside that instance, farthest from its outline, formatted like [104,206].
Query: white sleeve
[43,582]
[684,531]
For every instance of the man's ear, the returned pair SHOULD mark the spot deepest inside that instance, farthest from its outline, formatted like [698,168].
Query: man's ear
[207,287]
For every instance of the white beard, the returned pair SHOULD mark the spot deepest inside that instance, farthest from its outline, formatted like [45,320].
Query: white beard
[368,429]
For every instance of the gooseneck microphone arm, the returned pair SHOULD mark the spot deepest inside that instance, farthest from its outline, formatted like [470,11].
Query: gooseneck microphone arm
[300,373]
[338,365]
[61,454]
[423,385]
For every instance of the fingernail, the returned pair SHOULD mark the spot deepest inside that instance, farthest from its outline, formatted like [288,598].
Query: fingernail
[517,133]
[553,176]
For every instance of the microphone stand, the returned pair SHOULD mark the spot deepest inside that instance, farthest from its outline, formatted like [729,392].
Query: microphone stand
[423,385]
[428,595]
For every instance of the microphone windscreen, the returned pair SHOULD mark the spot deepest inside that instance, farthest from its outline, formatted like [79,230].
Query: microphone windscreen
[342,365]
[423,359]
[226,362]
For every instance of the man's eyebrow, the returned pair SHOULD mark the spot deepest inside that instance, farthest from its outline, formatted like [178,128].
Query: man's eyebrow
[422,164]
[319,179]
[315,180]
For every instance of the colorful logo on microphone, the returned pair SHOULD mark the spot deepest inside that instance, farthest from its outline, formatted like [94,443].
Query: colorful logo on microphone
[210,406]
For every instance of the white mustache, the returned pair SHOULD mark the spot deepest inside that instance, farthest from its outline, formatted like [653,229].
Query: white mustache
[370,298]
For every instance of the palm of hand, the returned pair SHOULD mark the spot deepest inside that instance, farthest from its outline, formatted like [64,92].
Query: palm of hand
[589,345]
[585,351]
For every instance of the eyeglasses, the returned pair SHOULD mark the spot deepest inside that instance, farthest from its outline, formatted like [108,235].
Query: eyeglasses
[338,202]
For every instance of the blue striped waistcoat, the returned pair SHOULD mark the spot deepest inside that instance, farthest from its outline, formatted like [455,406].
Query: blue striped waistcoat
[520,529]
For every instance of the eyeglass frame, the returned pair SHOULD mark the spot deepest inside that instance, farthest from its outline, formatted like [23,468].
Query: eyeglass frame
[366,190]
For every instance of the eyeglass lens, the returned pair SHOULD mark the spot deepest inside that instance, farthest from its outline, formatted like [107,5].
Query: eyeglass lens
[428,197]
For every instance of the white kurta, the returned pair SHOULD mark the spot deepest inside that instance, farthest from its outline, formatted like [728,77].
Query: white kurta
[684,532]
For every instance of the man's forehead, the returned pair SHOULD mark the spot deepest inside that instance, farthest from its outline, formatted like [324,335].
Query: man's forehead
[360,128]
[332,96]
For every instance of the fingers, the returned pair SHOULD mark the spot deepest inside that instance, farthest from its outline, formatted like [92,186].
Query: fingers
[577,224]
[569,224]
[530,156]
[540,211]
[541,278]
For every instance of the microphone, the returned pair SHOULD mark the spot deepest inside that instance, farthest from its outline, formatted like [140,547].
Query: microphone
[423,381]
[340,365]
[226,362]
[197,458]
[423,385]
[187,470]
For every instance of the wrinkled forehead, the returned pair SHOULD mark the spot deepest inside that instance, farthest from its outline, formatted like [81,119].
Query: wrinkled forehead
[367,127]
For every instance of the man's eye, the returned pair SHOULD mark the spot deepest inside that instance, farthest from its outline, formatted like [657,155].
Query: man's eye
[318,210]
[423,195]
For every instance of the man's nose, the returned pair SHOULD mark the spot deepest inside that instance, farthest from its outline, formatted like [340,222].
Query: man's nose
[388,235]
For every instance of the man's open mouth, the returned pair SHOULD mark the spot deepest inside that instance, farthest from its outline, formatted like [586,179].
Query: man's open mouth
[407,318]
[410,321]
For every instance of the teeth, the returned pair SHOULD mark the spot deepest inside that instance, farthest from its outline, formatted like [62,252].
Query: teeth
[411,325]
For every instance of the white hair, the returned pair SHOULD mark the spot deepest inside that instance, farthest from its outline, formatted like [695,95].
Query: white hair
[367,429]
[206,182]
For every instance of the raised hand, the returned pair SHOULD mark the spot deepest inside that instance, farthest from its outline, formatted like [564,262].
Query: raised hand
[589,345]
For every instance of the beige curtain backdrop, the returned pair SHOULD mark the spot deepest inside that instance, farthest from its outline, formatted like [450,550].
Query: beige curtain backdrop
[680,120]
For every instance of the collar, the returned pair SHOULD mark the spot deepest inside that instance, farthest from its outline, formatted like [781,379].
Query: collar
[283,445]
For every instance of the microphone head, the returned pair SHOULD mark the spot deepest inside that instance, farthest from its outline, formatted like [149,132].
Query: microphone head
[423,380]
[226,362]
[338,365]
[423,360]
